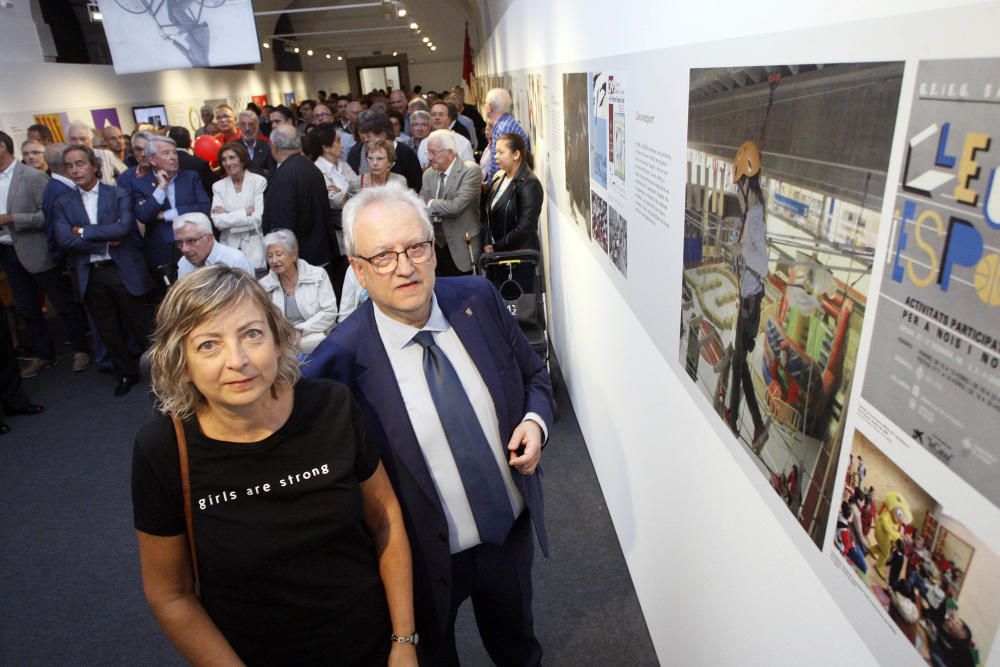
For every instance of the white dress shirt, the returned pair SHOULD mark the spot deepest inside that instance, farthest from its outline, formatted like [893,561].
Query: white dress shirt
[6,176]
[220,254]
[90,205]
[406,358]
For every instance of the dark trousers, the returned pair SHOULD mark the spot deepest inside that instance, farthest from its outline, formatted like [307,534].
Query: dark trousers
[446,265]
[11,395]
[111,306]
[498,579]
[25,287]
[746,331]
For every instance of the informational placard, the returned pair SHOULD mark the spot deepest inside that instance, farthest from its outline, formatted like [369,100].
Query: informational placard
[934,369]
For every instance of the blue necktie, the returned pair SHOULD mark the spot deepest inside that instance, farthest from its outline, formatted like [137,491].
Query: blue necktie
[476,464]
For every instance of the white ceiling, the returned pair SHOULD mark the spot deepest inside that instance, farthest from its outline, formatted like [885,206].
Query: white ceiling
[357,28]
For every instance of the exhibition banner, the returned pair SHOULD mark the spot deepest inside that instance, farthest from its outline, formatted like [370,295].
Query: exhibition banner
[934,370]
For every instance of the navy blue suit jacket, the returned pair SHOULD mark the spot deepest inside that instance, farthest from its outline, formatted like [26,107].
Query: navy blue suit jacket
[190,196]
[115,222]
[516,378]
[53,191]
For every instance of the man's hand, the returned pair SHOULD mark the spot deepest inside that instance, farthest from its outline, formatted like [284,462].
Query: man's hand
[75,231]
[529,435]
[6,219]
[249,211]
[487,248]
[217,210]
[162,180]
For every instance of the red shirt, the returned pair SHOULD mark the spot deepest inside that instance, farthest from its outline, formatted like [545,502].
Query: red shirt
[226,138]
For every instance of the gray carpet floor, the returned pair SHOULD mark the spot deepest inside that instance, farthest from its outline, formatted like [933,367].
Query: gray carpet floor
[70,592]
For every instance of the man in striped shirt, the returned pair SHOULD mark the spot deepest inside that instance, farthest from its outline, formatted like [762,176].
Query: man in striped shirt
[498,112]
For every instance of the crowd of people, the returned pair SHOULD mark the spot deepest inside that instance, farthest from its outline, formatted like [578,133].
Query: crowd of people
[332,241]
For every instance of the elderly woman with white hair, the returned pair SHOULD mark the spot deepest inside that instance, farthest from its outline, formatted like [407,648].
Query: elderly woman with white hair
[301,291]
[193,237]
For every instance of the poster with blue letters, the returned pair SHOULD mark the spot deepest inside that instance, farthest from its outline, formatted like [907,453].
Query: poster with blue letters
[934,365]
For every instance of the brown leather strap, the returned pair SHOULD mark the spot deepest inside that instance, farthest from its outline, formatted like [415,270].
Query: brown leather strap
[182,453]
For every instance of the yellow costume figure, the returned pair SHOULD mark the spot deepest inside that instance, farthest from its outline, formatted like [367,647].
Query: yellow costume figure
[889,526]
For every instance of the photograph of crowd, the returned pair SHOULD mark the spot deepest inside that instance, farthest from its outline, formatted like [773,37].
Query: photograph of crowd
[599,221]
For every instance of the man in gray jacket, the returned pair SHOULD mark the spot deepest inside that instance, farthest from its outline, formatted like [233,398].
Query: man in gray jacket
[451,189]
[24,255]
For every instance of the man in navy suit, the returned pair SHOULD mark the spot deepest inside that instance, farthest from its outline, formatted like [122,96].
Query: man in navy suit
[459,403]
[177,191]
[57,186]
[95,226]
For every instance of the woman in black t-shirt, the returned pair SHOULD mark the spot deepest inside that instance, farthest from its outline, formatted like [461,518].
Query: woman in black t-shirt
[301,549]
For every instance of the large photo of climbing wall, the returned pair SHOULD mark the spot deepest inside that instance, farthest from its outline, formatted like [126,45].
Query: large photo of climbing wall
[786,174]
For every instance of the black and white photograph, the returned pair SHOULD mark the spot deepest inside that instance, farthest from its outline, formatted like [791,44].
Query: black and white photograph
[599,221]
[618,240]
[153,35]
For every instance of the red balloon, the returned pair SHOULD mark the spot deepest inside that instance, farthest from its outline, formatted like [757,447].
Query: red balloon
[207,148]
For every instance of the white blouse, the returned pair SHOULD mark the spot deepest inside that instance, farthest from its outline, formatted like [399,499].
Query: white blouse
[237,229]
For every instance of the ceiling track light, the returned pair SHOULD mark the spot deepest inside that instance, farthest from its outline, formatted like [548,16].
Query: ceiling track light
[413,25]
[434,48]
[309,52]
[401,12]
[426,39]
[266,45]
[339,57]
[296,49]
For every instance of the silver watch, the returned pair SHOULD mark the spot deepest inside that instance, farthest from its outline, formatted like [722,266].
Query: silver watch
[406,639]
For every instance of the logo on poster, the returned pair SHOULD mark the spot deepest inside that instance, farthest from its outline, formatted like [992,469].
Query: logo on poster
[942,246]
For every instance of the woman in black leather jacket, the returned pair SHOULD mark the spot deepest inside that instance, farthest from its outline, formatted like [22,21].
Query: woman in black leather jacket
[514,200]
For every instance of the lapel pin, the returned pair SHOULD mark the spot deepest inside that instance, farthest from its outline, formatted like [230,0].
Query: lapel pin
[468,312]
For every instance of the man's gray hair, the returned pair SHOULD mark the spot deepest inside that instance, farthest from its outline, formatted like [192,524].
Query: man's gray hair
[286,138]
[54,157]
[206,107]
[282,237]
[79,123]
[144,134]
[158,139]
[396,195]
[197,219]
[248,114]
[499,99]
[421,115]
[446,138]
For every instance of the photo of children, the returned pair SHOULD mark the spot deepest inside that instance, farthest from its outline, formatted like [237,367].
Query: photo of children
[934,579]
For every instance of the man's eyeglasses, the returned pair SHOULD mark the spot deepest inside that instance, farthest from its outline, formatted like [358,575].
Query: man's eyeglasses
[181,243]
[385,262]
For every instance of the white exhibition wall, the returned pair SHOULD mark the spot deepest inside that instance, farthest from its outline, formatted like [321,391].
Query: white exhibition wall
[44,88]
[723,572]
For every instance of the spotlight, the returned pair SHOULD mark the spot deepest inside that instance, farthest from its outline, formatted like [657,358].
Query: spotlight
[434,48]
[401,12]
[413,25]
[426,39]
[340,57]
[266,45]
[395,53]
[328,56]
[296,49]
[309,52]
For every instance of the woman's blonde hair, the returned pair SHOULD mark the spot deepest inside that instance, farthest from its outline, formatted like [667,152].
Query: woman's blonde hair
[195,298]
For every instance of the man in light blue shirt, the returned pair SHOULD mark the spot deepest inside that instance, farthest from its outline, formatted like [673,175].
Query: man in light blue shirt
[194,238]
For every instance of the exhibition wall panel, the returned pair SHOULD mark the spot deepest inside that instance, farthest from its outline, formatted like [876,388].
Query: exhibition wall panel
[854,517]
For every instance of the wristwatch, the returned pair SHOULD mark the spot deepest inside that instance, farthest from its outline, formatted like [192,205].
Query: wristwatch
[406,639]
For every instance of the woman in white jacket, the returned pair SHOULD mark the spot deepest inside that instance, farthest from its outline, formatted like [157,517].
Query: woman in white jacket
[301,291]
[238,204]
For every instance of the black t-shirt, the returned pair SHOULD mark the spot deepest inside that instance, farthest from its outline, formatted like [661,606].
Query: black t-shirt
[288,572]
